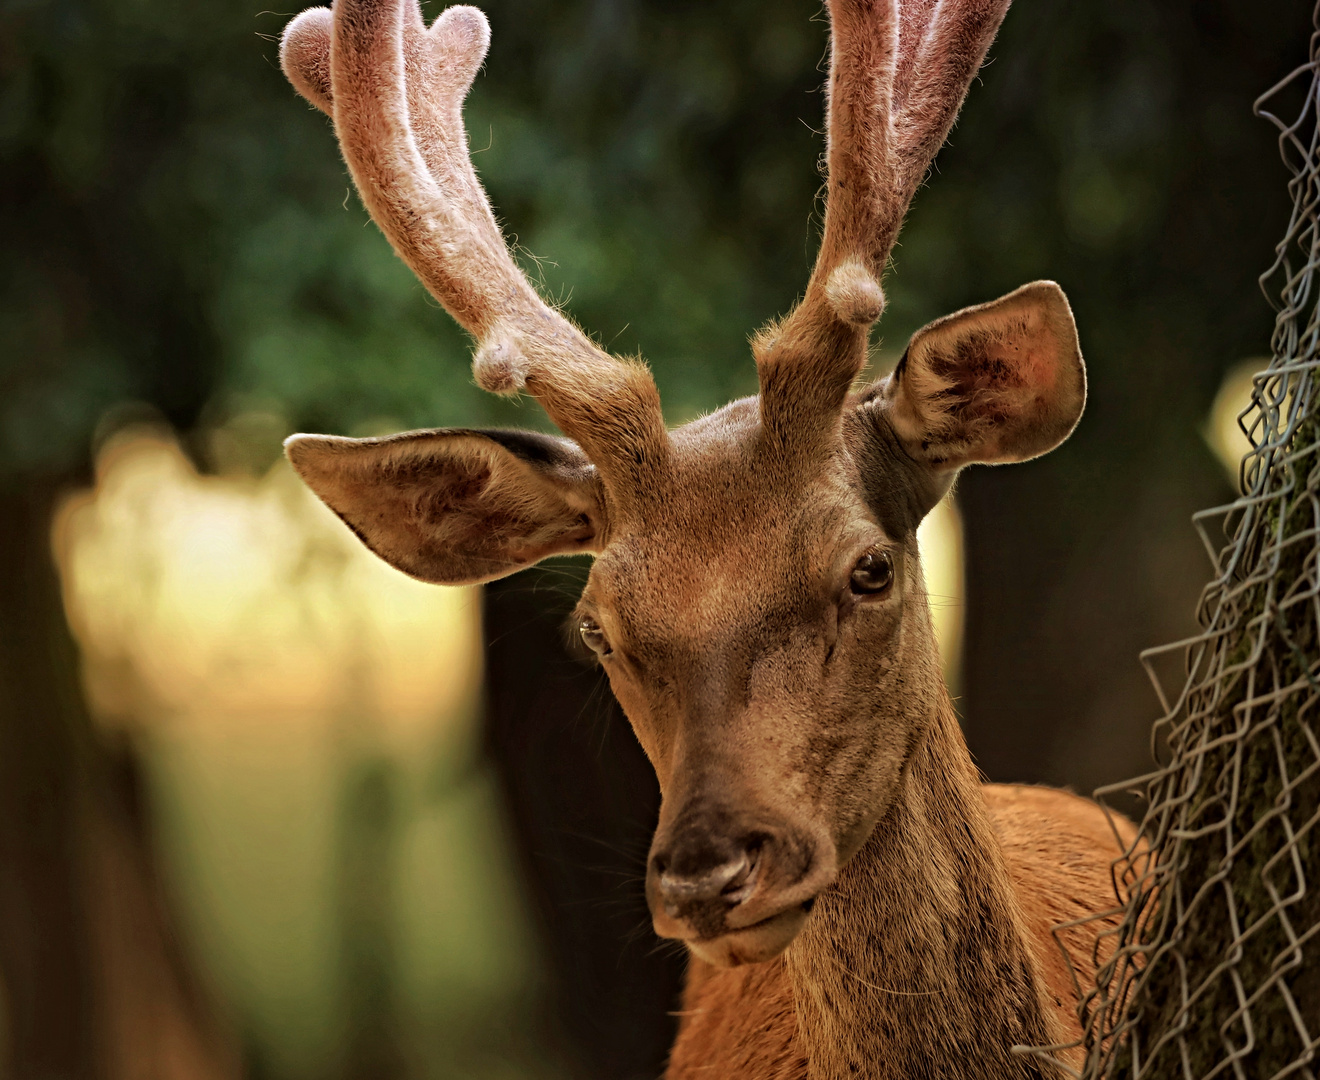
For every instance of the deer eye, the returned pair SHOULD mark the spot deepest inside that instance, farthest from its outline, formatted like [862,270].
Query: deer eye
[593,636]
[874,573]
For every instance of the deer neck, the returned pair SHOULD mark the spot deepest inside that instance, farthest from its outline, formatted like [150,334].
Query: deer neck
[916,962]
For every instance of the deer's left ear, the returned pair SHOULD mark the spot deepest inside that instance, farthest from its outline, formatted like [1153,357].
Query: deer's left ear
[994,383]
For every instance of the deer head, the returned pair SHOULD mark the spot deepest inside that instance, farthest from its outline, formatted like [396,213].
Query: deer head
[756,597]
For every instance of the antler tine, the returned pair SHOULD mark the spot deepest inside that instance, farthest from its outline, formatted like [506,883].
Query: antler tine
[395,90]
[937,66]
[898,75]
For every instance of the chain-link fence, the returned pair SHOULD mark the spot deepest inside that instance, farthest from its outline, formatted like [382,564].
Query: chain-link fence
[1214,968]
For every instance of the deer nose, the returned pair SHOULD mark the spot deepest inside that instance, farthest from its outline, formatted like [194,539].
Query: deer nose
[687,880]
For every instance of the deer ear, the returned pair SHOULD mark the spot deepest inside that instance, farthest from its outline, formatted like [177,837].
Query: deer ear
[457,507]
[994,383]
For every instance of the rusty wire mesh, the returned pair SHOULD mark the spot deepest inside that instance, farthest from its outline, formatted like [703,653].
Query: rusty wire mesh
[1213,969]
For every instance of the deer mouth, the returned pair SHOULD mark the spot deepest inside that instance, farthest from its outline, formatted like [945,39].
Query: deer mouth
[736,892]
[728,934]
[754,944]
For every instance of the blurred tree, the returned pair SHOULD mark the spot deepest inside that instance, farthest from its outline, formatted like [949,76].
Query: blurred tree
[366,862]
[178,231]
[97,307]
[583,801]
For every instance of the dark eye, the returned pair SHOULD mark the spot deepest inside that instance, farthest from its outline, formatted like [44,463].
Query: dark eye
[874,573]
[593,636]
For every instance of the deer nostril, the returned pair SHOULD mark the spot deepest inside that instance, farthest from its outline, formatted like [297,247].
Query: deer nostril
[740,884]
[727,882]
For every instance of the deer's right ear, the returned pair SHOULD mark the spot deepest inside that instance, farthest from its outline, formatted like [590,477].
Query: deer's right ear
[457,507]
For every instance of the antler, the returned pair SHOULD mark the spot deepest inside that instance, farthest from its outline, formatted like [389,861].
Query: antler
[898,75]
[395,90]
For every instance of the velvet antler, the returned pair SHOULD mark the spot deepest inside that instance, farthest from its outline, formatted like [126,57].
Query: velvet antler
[395,90]
[898,75]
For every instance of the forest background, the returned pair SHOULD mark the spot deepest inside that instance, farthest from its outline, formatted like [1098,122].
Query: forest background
[183,260]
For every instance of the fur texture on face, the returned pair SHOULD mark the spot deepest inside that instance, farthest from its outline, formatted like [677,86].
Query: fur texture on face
[779,703]
[899,1009]
[801,733]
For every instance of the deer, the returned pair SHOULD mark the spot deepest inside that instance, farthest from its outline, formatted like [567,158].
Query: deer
[854,900]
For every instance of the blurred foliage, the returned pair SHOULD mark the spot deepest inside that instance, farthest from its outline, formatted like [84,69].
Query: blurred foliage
[179,222]
[308,724]
[177,218]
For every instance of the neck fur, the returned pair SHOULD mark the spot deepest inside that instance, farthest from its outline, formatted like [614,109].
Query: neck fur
[916,962]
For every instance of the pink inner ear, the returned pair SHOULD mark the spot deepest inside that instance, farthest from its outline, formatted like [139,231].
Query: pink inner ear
[994,376]
[1023,371]
[1017,373]
[1041,362]
[998,382]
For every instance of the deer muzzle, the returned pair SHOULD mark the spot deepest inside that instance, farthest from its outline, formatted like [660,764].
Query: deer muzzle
[735,889]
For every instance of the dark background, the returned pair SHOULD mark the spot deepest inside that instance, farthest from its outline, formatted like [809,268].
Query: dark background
[178,244]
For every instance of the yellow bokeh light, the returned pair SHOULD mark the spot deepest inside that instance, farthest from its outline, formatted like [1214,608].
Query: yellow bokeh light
[1222,430]
[240,596]
[268,663]
[940,539]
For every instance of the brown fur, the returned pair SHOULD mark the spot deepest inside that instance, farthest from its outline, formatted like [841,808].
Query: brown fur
[457,506]
[978,383]
[857,904]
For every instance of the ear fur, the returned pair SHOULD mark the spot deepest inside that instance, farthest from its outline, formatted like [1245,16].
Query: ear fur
[995,383]
[457,506]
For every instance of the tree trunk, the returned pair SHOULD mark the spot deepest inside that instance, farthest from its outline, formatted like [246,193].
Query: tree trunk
[583,802]
[95,983]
